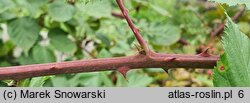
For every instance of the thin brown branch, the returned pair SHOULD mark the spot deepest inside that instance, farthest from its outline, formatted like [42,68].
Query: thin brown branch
[91,65]
[221,26]
[133,28]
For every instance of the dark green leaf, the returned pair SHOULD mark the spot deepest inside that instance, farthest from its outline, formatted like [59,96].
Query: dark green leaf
[4,64]
[98,9]
[164,34]
[38,81]
[24,59]
[121,48]
[6,16]
[5,48]
[61,11]
[34,6]
[105,40]
[60,81]
[3,84]
[5,5]
[104,53]
[24,82]
[42,54]
[60,41]
[135,79]
[24,32]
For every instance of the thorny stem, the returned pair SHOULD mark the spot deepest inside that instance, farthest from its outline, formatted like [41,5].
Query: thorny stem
[150,60]
[103,64]
[133,28]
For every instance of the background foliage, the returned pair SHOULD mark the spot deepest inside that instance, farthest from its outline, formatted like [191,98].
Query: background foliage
[42,31]
[234,65]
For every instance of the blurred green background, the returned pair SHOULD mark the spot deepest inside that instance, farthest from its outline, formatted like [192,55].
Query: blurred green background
[43,31]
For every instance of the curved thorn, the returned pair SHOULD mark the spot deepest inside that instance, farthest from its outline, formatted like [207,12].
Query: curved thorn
[171,59]
[166,70]
[205,53]
[123,71]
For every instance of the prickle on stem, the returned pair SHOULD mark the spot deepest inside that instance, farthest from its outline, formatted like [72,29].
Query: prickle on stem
[171,59]
[166,70]
[123,71]
[205,53]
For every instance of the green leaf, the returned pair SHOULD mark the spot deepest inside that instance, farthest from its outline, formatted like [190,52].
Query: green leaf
[220,73]
[60,81]
[4,64]
[104,53]
[26,59]
[6,16]
[160,10]
[61,11]
[234,2]
[60,41]
[164,34]
[105,40]
[135,79]
[24,32]
[97,9]
[6,12]
[42,54]
[5,5]
[139,80]
[121,48]
[38,81]
[5,48]
[24,83]
[80,79]
[107,82]
[34,6]
[3,84]
[237,57]
[93,79]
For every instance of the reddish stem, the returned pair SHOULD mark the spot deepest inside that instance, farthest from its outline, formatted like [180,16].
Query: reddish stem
[152,60]
[91,65]
[133,28]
